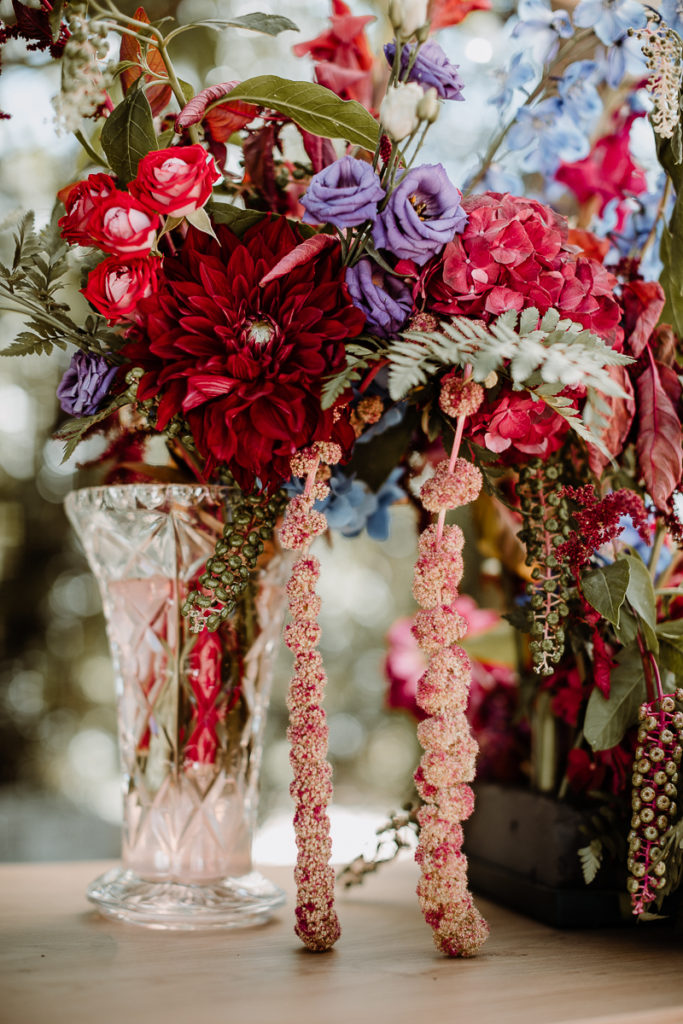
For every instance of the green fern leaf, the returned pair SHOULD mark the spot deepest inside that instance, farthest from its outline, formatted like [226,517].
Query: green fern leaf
[591,860]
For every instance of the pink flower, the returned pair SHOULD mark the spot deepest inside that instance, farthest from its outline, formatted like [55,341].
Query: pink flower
[80,200]
[116,286]
[175,181]
[121,225]
[515,424]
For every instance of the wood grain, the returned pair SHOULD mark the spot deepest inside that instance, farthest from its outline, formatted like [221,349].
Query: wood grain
[60,961]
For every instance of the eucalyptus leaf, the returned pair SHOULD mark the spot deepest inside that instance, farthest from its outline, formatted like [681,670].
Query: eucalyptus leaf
[641,596]
[313,107]
[605,589]
[270,24]
[128,134]
[608,719]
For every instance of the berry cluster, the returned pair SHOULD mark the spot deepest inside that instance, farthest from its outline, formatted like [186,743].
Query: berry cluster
[546,514]
[655,778]
[227,573]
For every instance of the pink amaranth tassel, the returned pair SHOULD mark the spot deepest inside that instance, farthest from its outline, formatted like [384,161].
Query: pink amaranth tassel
[450,750]
[317,924]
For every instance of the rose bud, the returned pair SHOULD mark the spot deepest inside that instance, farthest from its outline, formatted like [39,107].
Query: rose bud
[398,112]
[407,16]
[80,200]
[116,286]
[431,67]
[175,181]
[344,193]
[122,226]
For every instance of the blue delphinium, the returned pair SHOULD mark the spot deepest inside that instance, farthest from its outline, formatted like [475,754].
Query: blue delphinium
[556,138]
[672,13]
[610,19]
[541,28]
[578,91]
[351,506]
[517,76]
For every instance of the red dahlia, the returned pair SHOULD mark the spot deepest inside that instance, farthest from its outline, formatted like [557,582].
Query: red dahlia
[243,363]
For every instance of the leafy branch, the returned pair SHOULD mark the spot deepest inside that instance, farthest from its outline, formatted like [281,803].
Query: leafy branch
[358,359]
[29,285]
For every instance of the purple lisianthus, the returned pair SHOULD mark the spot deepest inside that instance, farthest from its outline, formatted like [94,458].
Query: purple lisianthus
[344,193]
[383,297]
[422,215]
[432,68]
[85,384]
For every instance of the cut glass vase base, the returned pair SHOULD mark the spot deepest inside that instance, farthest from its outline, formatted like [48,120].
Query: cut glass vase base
[227,903]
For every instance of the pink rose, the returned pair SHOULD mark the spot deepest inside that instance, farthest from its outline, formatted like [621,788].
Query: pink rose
[116,286]
[80,200]
[175,181]
[121,225]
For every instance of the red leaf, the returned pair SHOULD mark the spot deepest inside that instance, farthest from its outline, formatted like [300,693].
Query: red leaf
[603,663]
[621,415]
[223,118]
[659,437]
[643,303]
[320,151]
[158,95]
[671,382]
[443,13]
[304,253]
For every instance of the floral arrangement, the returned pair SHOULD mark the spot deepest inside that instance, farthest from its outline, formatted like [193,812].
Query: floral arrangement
[346,330]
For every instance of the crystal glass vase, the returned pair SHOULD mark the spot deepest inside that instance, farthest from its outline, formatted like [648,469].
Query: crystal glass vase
[191,707]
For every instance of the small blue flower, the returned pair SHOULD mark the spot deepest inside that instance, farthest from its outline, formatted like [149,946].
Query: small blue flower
[610,19]
[554,136]
[577,90]
[517,76]
[672,13]
[351,506]
[501,179]
[542,28]
[623,58]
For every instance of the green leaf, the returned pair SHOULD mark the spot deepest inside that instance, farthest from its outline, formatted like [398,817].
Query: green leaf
[313,107]
[627,630]
[641,596]
[670,636]
[237,219]
[605,589]
[591,859]
[128,134]
[73,430]
[270,24]
[607,720]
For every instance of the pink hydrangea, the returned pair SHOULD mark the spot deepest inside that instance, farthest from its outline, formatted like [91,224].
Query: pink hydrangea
[517,427]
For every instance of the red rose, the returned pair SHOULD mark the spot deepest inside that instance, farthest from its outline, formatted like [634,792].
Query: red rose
[122,226]
[116,286]
[80,200]
[175,181]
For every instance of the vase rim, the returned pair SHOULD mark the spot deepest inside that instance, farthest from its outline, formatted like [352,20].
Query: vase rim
[124,497]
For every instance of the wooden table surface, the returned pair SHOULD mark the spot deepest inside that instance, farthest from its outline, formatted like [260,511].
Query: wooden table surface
[61,962]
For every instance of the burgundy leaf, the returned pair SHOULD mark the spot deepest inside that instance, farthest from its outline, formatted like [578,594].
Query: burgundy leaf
[320,151]
[671,382]
[224,118]
[659,437]
[615,431]
[643,304]
[303,253]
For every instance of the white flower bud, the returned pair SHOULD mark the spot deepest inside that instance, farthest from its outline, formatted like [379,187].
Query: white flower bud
[428,107]
[398,112]
[407,16]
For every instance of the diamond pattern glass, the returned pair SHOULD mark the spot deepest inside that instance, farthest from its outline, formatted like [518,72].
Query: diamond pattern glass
[191,707]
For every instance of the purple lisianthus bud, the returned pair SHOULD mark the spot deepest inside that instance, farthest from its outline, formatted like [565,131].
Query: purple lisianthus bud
[423,214]
[384,298]
[344,193]
[85,384]
[431,68]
